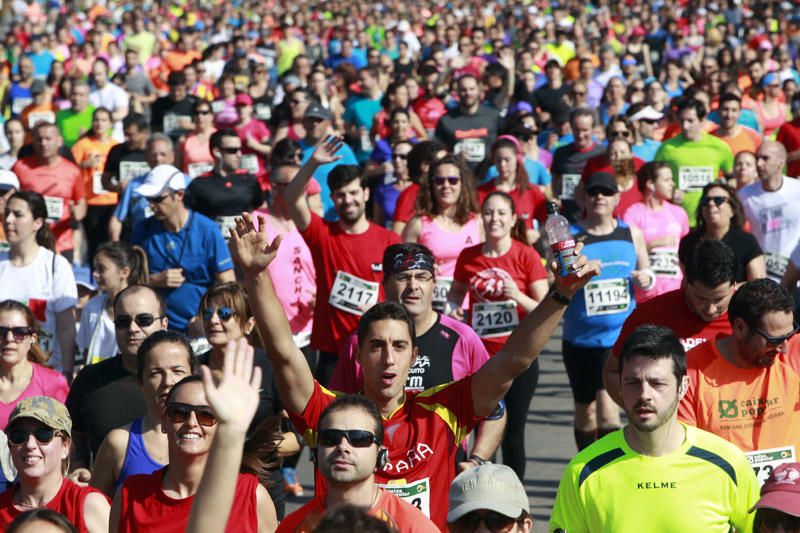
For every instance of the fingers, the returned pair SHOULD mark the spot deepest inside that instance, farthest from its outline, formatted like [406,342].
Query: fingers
[276,243]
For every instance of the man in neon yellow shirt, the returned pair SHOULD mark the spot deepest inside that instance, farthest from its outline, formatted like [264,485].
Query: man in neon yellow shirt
[655,474]
[697,158]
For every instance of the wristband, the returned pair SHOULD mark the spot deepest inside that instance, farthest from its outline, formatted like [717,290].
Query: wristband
[560,298]
[478,459]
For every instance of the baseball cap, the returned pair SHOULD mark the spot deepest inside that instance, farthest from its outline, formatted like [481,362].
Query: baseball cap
[83,277]
[315,110]
[647,113]
[491,487]
[46,410]
[240,52]
[291,79]
[520,107]
[781,491]
[161,179]
[602,180]
[8,181]
[242,99]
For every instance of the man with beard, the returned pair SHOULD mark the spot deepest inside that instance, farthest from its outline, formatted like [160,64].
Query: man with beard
[655,471]
[745,387]
[348,253]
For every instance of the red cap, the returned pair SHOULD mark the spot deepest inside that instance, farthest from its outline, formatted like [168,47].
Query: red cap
[781,491]
[243,99]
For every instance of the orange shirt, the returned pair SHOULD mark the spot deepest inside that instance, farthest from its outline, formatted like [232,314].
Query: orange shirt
[34,113]
[177,60]
[746,139]
[753,408]
[82,150]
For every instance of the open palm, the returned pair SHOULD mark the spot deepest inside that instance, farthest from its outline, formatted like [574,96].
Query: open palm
[250,247]
[325,152]
[234,397]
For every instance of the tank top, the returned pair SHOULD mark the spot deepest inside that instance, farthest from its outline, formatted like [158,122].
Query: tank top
[137,460]
[597,312]
[770,124]
[68,501]
[447,245]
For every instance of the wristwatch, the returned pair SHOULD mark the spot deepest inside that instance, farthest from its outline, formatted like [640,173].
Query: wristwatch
[478,459]
[560,298]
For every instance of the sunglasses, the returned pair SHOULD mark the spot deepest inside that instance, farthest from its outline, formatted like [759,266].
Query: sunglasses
[716,200]
[400,156]
[601,191]
[297,102]
[20,333]
[178,413]
[158,199]
[493,521]
[231,151]
[614,134]
[224,313]
[358,438]
[578,93]
[203,112]
[18,437]
[441,180]
[145,320]
[771,520]
[777,341]
[650,121]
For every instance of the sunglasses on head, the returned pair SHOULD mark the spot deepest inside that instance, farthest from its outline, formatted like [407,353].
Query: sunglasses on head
[178,413]
[224,313]
[18,437]
[358,438]
[231,150]
[19,332]
[441,180]
[493,521]
[777,341]
[145,320]
[716,200]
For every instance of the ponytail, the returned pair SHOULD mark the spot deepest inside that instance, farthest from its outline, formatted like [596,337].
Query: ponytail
[35,354]
[124,255]
[38,209]
[140,269]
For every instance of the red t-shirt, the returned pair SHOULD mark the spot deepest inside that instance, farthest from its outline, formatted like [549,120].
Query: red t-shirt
[529,204]
[400,516]
[422,437]
[485,277]
[68,501]
[404,208]
[338,258]
[671,310]
[789,136]
[145,507]
[601,163]
[59,184]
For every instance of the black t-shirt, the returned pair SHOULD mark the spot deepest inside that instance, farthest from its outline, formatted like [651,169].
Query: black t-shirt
[471,135]
[104,396]
[743,244]
[567,166]
[165,111]
[214,196]
[551,100]
[434,364]
[125,163]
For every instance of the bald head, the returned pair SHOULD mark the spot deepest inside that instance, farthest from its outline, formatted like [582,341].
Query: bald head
[770,160]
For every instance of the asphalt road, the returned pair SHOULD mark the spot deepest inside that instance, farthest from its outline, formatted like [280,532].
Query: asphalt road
[549,439]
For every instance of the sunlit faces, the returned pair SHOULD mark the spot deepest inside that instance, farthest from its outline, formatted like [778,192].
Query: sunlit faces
[343,462]
[446,185]
[189,436]
[101,123]
[34,459]
[165,365]
[218,330]
[47,140]
[16,343]
[498,217]
[18,221]
[754,348]
[650,392]
[350,200]
[385,355]
[108,276]
[769,161]
[134,302]
[663,185]
[709,303]
[166,205]
[469,91]
[690,123]
[582,127]
[413,289]
[729,113]
[160,153]
[505,160]
[716,207]
[400,124]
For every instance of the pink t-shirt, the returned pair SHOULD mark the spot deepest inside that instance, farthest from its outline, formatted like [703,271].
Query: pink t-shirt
[669,221]
[195,151]
[259,131]
[447,245]
[44,382]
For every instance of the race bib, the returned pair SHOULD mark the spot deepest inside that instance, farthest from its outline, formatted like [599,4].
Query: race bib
[353,294]
[55,208]
[196,169]
[217,106]
[440,290]
[417,493]
[263,112]
[132,169]
[665,263]
[97,183]
[694,178]
[41,116]
[172,122]
[765,461]
[225,224]
[568,184]
[19,104]
[606,297]
[365,142]
[776,264]
[250,163]
[473,149]
[494,319]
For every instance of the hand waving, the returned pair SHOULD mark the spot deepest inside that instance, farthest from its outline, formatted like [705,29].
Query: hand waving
[250,247]
[325,152]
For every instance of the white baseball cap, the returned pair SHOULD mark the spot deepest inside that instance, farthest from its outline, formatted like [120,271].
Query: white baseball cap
[490,487]
[8,181]
[161,179]
[647,113]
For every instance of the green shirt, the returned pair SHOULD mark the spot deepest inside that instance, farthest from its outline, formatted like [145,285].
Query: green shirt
[72,125]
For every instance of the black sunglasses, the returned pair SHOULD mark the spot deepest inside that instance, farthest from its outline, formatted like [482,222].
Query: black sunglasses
[716,200]
[777,341]
[18,437]
[179,413]
[203,112]
[224,313]
[145,320]
[594,191]
[230,150]
[19,332]
[614,134]
[441,180]
[158,199]
[400,156]
[358,438]
[493,521]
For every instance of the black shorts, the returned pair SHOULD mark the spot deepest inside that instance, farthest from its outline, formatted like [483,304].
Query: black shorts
[584,370]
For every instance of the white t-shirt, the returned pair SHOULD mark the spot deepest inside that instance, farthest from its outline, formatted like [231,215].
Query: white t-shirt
[112,97]
[96,333]
[774,218]
[47,286]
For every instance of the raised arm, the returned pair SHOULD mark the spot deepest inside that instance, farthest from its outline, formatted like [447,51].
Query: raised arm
[295,193]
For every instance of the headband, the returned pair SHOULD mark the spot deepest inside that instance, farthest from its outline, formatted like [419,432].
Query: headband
[410,260]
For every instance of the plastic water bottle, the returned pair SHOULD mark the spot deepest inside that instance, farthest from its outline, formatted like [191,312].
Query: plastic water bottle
[560,238]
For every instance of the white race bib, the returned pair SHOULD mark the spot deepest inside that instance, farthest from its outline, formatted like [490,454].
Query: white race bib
[440,290]
[302,339]
[263,112]
[55,208]
[196,169]
[568,184]
[132,169]
[765,461]
[665,263]
[494,319]
[172,122]
[97,183]
[250,163]
[41,116]
[417,493]
[776,264]
[365,142]
[353,294]
[20,104]
[217,106]
[473,149]
[694,178]
[225,224]
[607,296]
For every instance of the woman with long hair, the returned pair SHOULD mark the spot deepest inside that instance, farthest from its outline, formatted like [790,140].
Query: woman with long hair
[387,192]
[771,111]
[613,100]
[397,97]
[195,153]
[31,272]
[292,126]
[15,135]
[380,160]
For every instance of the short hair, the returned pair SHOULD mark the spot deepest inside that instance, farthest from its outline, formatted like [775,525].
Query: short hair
[157,339]
[654,342]
[131,289]
[159,137]
[711,263]
[42,515]
[194,378]
[423,152]
[729,97]
[176,78]
[80,82]
[356,401]
[342,175]
[385,311]
[215,141]
[756,298]
[579,112]
[692,103]
[136,119]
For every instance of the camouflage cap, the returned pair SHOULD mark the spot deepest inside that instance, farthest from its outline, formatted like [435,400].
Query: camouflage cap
[46,410]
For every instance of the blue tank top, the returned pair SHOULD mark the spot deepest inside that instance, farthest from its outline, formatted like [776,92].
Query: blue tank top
[18,98]
[596,314]
[137,460]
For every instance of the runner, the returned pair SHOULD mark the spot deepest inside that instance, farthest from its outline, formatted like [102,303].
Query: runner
[196,157]
[420,158]
[738,138]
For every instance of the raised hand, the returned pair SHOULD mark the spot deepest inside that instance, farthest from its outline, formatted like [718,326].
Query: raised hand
[234,398]
[250,247]
[325,152]
[583,271]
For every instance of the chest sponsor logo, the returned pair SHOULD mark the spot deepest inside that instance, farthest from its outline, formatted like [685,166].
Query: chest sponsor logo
[474,133]
[377,267]
[488,284]
[649,485]
[413,457]
[416,374]
[748,413]
[771,219]
[690,342]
